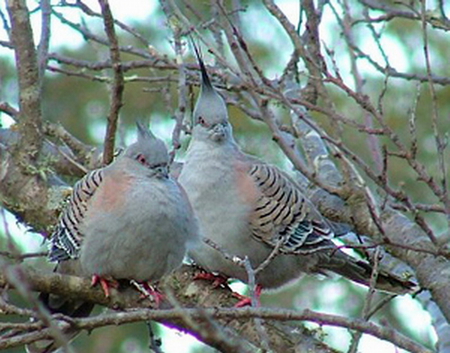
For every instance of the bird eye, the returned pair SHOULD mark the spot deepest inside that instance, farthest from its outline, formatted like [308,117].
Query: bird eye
[141,159]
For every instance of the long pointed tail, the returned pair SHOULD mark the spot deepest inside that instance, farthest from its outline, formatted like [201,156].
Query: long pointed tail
[360,271]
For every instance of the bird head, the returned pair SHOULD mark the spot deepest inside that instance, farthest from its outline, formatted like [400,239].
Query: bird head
[148,152]
[210,116]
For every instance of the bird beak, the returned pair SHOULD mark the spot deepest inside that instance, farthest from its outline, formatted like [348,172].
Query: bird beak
[162,172]
[218,132]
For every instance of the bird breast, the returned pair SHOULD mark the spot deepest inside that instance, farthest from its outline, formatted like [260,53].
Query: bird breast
[137,239]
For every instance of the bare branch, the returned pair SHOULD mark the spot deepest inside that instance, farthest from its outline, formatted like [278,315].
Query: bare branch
[439,141]
[188,294]
[29,82]
[8,109]
[117,85]
[45,37]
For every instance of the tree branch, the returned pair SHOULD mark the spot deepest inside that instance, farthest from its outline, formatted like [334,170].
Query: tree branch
[118,83]
[210,303]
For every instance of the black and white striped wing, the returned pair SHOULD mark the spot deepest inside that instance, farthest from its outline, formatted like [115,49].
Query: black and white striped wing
[66,239]
[282,213]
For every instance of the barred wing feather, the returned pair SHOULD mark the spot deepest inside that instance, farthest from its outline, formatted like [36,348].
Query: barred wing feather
[283,213]
[67,238]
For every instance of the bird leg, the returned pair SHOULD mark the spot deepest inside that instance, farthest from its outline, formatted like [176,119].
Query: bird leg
[106,284]
[153,291]
[247,301]
[147,291]
[221,281]
[217,280]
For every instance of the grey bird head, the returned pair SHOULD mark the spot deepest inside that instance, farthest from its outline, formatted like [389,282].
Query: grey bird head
[149,153]
[210,114]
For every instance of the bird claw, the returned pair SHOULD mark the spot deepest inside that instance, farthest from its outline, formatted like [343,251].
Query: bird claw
[147,291]
[244,301]
[247,301]
[106,284]
[217,280]
[222,281]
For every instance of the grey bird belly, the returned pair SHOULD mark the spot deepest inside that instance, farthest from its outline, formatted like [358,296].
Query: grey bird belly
[280,271]
[143,242]
[225,221]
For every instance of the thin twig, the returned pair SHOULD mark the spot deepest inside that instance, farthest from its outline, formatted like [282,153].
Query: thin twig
[366,312]
[274,253]
[8,109]
[182,92]
[372,141]
[230,257]
[439,141]
[117,87]
[381,332]
[154,342]
[262,333]
[16,278]
[23,256]
[44,42]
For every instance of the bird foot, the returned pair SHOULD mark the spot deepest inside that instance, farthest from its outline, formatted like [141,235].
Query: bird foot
[222,281]
[247,301]
[147,291]
[217,280]
[106,284]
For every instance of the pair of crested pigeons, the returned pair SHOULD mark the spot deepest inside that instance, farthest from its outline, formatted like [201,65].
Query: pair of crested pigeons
[131,220]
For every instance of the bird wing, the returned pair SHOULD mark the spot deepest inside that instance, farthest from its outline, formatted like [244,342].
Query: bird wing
[283,214]
[67,237]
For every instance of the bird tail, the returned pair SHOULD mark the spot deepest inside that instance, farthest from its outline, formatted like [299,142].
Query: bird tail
[58,304]
[361,271]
